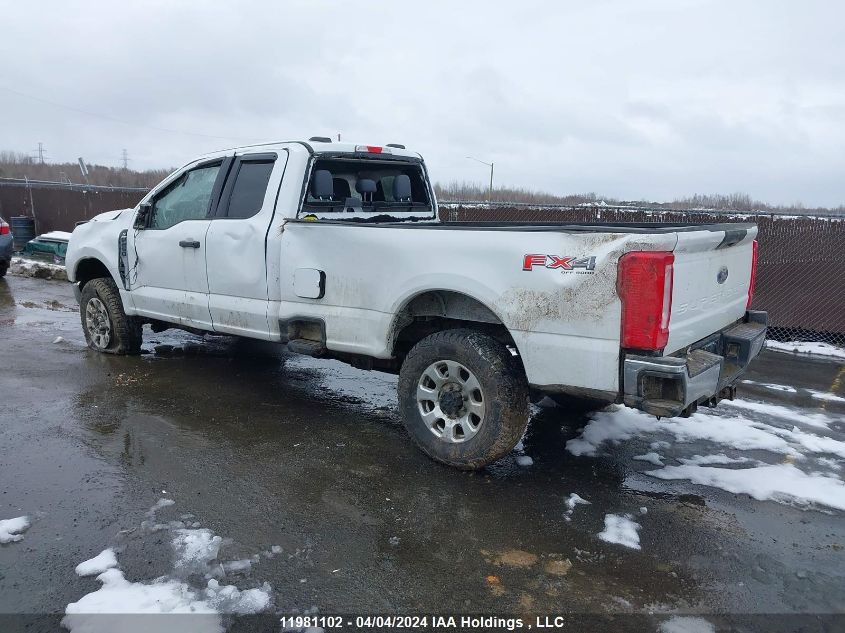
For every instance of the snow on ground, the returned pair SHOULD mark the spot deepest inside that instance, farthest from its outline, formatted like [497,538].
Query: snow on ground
[11,530]
[524,460]
[771,386]
[818,420]
[97,565]
[195,549]
[161,503]
[622,530]
[686,624]
[196,557]
[804,468]
[826,396]
[37,268]
[807,347]
[573,501]
[120,597]
[616,424]
[720,458]
[651,458]
[778,482]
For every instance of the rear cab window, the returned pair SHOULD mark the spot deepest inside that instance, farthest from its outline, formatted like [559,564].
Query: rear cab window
[243,195]
[365,189]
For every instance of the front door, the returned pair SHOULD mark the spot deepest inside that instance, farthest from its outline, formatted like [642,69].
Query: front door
[168,277]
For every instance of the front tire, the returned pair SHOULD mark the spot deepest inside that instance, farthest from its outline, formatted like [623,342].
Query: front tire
[107,328]
[463,398]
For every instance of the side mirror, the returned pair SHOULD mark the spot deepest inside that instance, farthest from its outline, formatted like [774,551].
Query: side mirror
[142,217]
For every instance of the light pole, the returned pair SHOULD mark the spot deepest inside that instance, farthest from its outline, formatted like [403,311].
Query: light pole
[490,165]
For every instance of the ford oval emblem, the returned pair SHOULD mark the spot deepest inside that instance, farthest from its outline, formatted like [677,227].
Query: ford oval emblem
[723,275]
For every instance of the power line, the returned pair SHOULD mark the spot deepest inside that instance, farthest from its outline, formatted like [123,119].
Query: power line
[121,121]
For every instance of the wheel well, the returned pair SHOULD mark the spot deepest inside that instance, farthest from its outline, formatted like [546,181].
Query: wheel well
[438,310]
[89,269]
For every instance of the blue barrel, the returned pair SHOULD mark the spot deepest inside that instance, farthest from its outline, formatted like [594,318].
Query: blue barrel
[23,230]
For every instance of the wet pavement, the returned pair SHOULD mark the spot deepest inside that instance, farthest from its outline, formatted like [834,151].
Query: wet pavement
[269,449]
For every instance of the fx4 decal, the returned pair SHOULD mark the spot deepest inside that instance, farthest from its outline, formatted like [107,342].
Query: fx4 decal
[561,263]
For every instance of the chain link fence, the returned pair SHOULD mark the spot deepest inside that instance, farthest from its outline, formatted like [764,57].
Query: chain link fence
[800,269]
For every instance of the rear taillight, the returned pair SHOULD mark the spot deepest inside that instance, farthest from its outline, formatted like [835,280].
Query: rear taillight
[4,228]
[753,274]
[644,284]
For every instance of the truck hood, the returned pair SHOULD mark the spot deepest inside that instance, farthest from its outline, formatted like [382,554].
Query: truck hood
[108,215]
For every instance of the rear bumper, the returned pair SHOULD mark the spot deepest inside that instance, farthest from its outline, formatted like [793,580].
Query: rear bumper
[675,385]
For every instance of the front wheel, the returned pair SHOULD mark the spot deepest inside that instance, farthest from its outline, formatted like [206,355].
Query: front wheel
[107,328]
[463,398]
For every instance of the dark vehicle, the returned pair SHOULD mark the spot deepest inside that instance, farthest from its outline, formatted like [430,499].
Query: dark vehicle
[50,246]
[5,247]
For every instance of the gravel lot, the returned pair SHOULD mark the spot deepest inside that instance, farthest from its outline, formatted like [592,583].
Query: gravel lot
[303,469]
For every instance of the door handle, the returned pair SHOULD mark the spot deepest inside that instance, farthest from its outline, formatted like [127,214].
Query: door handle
[189,243]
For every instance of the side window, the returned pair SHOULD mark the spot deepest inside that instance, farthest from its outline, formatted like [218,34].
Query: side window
[186,199]
[248,191]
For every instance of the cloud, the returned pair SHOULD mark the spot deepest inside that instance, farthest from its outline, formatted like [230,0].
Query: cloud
[652,99]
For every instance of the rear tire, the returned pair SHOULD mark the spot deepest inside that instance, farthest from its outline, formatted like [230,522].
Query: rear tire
[107,328]
[4,266]
[463,398]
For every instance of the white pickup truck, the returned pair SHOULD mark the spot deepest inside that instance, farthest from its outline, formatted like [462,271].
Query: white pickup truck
[336,250]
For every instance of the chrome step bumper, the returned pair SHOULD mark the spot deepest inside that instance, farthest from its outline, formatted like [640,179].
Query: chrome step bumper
[668,386]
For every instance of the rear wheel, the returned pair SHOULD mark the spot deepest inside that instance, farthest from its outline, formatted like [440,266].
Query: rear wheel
[4,266]
[463,398]
[107,328]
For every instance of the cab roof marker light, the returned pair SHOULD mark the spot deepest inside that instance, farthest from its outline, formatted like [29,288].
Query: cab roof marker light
[372,149]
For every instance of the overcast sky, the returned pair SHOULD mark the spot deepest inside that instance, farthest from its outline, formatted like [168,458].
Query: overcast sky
[631,99]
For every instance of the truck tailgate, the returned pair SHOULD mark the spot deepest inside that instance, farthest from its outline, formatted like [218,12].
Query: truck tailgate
[712,273]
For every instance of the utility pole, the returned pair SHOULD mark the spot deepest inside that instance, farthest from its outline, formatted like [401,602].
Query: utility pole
[40,152]
[490,165]
[125,158]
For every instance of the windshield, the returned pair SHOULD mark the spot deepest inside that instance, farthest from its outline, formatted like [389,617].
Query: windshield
[341,188]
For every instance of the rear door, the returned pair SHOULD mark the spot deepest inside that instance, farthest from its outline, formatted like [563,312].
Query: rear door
[712,273]
[236,245]
[168,277]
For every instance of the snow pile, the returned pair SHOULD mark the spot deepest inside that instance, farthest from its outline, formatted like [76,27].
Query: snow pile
[35,268]
[685,624]
[807,347]
[119,597]
[195,549]
[571,502]
[617,423]
[97,565]
[779,482]
[11,530]
[784,481]
[622,530]
[117,603]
